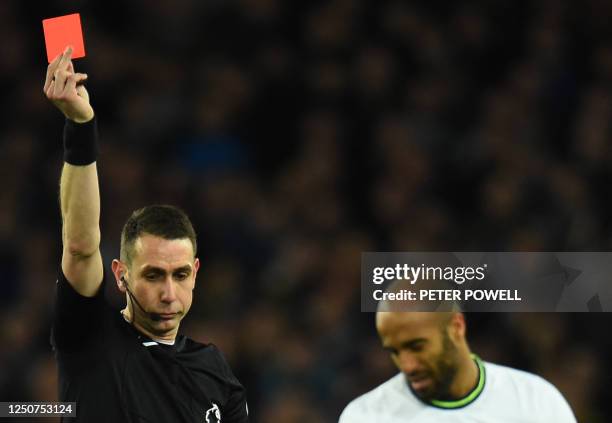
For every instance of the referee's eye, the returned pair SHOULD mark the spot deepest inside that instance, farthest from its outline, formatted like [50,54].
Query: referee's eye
[181,276]
[151,277]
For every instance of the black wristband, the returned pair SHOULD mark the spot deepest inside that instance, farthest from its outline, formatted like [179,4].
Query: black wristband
[80,142]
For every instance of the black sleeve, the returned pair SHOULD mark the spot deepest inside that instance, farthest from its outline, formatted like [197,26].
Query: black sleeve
[76,319]
[236,409]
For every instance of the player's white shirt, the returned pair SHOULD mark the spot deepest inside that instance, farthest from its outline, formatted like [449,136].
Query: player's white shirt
[508,396]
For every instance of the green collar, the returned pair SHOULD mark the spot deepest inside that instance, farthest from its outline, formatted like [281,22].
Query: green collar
[469,398]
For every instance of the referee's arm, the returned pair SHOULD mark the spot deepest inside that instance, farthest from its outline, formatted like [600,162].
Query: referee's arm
[79,191]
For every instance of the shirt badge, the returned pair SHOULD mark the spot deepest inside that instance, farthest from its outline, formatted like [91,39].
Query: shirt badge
[213,414]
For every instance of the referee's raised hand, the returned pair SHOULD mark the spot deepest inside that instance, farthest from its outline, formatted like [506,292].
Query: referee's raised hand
[63,86]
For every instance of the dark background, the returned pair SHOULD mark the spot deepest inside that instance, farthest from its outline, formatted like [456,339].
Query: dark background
[299,134]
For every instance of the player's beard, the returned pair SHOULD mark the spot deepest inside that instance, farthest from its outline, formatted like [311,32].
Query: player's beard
[442,372]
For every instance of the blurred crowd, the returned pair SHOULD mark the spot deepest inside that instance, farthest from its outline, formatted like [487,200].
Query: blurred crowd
[297,135]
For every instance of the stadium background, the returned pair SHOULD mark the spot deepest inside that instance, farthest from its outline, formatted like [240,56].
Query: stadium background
[299,134]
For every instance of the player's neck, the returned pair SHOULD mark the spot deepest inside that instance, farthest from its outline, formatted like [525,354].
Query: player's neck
[466,378]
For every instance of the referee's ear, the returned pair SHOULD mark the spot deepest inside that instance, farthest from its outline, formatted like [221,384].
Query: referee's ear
[196,267]
[119,271]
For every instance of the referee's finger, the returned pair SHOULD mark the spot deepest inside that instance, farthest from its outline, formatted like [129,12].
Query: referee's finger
[65,60]
[61,76]
[71,83]
[50,88]
[50,71]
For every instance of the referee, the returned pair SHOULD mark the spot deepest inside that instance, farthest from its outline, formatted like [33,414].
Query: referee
[440,380]
[129,365]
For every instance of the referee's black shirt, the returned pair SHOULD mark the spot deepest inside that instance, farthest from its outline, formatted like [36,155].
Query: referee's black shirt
[116,374]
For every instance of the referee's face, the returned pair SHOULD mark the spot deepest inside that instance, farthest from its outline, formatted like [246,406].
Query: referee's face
[422,349]
[162,278]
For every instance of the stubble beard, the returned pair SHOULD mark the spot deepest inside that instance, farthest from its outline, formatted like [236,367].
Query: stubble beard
[443,372]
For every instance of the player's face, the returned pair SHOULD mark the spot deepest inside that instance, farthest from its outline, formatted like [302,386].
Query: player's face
[422,349]
[162,278]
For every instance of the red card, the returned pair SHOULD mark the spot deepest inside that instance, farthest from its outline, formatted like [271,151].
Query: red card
[62,32]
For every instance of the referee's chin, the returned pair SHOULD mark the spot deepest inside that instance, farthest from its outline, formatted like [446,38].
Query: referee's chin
[163,327]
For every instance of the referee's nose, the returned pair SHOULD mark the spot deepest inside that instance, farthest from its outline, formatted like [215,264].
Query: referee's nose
[168,293]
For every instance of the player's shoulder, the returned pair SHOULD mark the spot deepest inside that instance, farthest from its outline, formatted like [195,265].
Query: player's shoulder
[380,400]
[526,381]
[528,391]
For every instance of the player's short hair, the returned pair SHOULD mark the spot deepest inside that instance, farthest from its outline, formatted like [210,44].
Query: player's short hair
[164,221]
[441,260]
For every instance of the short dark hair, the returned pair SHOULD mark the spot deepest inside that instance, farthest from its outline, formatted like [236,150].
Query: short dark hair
[167,222]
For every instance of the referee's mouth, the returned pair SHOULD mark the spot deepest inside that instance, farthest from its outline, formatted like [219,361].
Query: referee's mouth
[167,316]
